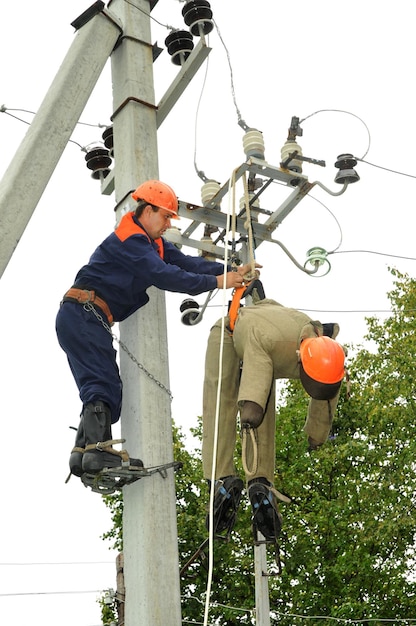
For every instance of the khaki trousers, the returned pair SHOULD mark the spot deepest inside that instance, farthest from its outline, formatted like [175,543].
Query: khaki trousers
[263,348]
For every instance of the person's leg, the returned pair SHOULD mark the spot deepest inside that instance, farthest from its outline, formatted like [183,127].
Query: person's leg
[259,463]
[91,356]
[259,456]
[227,487]
[229,370]
[92,359]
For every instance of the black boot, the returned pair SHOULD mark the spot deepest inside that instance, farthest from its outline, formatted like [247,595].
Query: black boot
[99,453]
[77,452]
[266,514]
[227,496]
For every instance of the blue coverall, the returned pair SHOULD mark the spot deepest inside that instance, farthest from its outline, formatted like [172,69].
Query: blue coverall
[120,271]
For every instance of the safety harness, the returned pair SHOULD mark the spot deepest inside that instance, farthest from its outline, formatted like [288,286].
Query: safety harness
[240,293]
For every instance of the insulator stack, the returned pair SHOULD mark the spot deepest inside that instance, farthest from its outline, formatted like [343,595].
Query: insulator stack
[208,191]
[253,206]
[208,256]
[293,164]
[198,16]
[253,144]
[180,45]
[347,173]
[98,160]
[108,138]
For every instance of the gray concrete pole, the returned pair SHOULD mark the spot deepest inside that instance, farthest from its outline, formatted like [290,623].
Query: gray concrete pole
[262,583]
[150,546]
[40,150]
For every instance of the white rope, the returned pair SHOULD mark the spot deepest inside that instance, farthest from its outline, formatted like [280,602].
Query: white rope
[217,408]
[244,435]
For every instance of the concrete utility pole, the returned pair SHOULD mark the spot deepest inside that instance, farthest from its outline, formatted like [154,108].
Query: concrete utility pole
[262,584]
[151,561]
[33,164]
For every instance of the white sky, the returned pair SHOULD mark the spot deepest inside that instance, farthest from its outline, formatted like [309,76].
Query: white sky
[287,60]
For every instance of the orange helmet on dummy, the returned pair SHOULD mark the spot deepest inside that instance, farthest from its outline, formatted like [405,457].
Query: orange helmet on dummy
[158,194]
[321,367]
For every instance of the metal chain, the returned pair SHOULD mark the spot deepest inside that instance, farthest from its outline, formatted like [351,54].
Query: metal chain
[88,306]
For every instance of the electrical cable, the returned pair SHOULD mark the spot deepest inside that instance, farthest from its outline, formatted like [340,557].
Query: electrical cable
[3,109]
[395,256]
[199,172]
[307,617]
[346,113]
[241,122]
[386,169]
[60,563]
[49,593]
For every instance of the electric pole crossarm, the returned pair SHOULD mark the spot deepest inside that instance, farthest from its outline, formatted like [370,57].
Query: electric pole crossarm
[174,236]
[214,217]
[260,168]
[288,205]
[182,80]
[40,150]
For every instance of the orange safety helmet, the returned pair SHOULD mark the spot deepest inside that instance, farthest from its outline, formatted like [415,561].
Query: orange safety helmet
[321,367]
[158,194]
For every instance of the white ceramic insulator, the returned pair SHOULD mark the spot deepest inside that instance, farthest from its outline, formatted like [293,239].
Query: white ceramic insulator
[208,256]
[255,205]
[253,144]
[208,191]
[289,147]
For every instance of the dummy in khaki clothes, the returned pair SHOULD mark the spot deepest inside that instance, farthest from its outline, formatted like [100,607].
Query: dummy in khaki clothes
[271,342]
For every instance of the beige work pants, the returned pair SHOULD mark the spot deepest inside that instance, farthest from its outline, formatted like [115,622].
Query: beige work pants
[265,340]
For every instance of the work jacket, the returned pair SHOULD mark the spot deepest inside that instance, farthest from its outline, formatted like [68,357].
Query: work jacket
[128,262]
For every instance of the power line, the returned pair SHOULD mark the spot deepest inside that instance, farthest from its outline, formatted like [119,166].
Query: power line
[48,593]
[61,563]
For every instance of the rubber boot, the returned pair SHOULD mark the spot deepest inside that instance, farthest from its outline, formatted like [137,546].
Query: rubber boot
[99,453]
[266,515]
[227,496]
[77,452]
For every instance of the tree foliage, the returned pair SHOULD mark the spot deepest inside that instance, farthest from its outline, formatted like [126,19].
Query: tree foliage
[348,542]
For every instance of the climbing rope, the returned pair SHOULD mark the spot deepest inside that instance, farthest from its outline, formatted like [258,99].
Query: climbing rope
[246,432]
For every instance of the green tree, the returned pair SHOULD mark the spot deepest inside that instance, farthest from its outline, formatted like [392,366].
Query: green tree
[348,542]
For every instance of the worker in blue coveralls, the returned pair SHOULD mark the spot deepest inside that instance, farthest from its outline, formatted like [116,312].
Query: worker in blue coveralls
[113,284]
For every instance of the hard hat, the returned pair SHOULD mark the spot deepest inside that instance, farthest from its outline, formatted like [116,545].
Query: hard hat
[321,367]
[158,194]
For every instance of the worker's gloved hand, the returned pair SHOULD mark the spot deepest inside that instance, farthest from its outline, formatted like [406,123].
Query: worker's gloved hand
[251,415]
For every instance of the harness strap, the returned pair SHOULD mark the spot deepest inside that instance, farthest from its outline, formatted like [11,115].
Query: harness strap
[242,292]
[107,446]
[235,305]
[86,295]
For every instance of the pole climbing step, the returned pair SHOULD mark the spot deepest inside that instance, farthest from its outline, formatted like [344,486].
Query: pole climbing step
[113,479]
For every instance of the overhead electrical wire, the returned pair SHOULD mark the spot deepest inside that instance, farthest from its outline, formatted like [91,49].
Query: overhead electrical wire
[346,113]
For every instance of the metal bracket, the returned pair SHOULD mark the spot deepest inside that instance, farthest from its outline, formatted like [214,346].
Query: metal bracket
[210,214]
[114,479]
